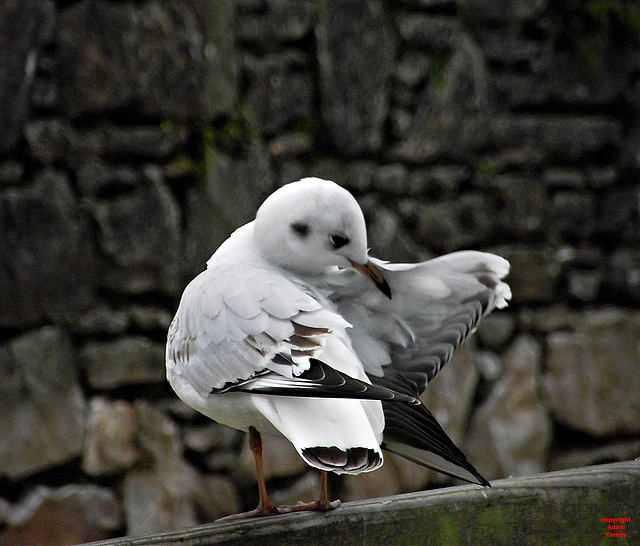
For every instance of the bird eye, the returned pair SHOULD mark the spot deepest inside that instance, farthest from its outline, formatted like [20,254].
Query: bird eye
[338,241]
[301,229]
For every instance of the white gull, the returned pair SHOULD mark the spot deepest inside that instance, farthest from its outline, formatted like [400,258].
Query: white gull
[294,330]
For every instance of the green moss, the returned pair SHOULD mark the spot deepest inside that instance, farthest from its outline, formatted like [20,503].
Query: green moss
[498,523]
[241,127]
[306,125]
[487,168]
[208,155]
[183,165]
[437,72]
[167,125]
[450,532]
[627,15]
[553,237]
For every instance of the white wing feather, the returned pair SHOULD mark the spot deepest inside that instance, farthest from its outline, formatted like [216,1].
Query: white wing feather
[434,306]
[231,322]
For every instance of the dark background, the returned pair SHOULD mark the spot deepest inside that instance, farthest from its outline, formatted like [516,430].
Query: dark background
[134,136]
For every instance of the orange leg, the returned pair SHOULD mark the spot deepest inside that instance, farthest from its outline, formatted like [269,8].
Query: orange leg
[265,505]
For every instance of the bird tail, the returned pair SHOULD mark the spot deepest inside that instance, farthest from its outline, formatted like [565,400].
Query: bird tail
[352,460]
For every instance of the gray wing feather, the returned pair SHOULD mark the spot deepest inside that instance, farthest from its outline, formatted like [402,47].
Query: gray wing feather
[435,306]
[220,310]
[232,321]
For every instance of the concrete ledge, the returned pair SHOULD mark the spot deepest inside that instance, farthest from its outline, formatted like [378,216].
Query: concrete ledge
[565,507]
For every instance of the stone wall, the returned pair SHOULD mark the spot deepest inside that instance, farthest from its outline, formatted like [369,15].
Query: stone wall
[134,136]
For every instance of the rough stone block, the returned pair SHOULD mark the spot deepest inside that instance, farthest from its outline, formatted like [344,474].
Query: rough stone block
[356,54]
[289,145]
[502,11]
[496,329]
[616,213]
[233,190]
[535,273]
[146,141]
[505,47]
[522,204]
[185,65]
[438,182]
[125,361]
[167,492]
[510,432]
[146,498]
[43,417]
[450,117]
[25,25]
[573,215]
[564,178]
[11,173]
[391,179]
[453,225]
[212,436]
[100,320]
[622,281]
[72,514]
[97,177]
[109,444]
[95,71]
[591,381]
[280,91]
[139,234]
[556,76]
[47,264]
[56,140]
[430,32]
[276,21]
[111,55]
[562,137]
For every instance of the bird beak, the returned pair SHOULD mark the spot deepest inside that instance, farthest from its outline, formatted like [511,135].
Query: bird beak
[371,271]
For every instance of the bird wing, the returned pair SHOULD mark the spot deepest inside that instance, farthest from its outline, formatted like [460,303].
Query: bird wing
[414,433]
[403,341]
[434,306]
[249,328]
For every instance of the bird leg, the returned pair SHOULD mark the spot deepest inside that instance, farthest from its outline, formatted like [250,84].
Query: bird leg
[323,504]
[265,507]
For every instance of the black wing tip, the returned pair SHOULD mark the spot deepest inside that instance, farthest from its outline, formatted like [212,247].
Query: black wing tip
[420,430]
[462,463]
[480,479]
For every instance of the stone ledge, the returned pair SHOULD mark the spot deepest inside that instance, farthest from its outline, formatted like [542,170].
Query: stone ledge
[565,507]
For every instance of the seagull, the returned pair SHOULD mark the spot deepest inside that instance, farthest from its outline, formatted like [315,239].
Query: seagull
[294,330]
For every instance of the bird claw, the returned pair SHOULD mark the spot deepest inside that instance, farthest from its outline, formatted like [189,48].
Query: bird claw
[319,505]
[272,510]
